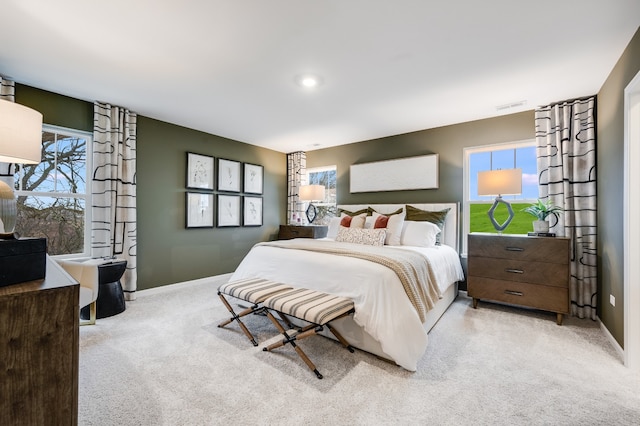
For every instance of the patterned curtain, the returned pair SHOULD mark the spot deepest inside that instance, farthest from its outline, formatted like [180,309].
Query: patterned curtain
[113,187]
[296,177]
[7,93]
[566,151]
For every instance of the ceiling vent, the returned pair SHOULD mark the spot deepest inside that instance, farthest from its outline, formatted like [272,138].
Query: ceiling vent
[511,105]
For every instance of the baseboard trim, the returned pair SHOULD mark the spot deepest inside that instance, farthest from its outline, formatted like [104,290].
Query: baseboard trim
[612,340]
[169,287]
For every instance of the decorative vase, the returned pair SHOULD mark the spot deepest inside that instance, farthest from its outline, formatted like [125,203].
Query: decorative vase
[540,226]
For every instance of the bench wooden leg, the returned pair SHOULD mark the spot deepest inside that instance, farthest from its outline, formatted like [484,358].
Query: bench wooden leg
[236,317]
[291,340]
[340,338]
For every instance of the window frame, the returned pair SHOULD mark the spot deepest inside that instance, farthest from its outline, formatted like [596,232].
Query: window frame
[467,152]
[88,136]
[319,169]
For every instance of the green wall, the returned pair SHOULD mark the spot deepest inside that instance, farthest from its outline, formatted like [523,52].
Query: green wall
[167,251]
[610,131]
[57,109]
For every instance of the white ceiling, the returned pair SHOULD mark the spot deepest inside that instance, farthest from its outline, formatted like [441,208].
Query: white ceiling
[228,67]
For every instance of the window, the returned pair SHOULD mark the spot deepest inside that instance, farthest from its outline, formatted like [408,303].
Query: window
[520,154]
[53,195]
[325,176]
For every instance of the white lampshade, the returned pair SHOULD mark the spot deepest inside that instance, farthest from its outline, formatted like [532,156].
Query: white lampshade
[20,134]
[311,193]
[500,182]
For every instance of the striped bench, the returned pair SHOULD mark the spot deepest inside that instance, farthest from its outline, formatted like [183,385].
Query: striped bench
[314,307]
[252,290]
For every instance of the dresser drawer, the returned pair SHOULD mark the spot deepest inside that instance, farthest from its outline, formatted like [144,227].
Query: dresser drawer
[536,249]
[288,232]
[554,299]
[552,274]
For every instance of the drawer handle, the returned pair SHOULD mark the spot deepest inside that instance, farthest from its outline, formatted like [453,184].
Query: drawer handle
[514,249]
[514,271]
[514,293]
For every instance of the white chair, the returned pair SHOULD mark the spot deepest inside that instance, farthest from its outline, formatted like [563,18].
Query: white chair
[86,273]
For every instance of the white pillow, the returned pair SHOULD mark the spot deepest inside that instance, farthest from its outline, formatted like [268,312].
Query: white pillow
[371,237]
[419,234]
[334,225]
[368,223]
[393,228]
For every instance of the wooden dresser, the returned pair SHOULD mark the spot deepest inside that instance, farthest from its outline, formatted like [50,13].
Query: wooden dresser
[288,232]
[39,350]
[519,270]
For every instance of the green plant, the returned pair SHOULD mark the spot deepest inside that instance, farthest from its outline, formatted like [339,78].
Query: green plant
[542,210]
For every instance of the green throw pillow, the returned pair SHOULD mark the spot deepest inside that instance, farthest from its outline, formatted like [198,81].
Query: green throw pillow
[419,215]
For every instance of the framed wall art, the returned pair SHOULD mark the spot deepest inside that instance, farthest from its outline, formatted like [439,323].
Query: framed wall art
[253,175]
[401,174]
[228,175]
[199,210]
[200,171]
[252,211]
[228,210]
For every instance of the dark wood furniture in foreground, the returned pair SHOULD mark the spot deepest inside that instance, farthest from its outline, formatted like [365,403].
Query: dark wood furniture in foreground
[520,270]
[288,232]
[39,350]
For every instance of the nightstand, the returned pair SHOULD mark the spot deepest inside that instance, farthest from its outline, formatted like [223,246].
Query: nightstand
[288,232]
[520,270]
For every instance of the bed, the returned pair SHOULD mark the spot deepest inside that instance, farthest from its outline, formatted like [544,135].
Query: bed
[388,321]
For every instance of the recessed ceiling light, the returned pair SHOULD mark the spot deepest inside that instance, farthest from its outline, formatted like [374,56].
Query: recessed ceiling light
[308,81]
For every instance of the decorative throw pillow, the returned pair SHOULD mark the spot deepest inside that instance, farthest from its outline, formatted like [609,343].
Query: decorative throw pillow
[438,217]
[366,211]
[345,221]
[353,221]
[419,234]
[392,225]
[371,237]
[400,210]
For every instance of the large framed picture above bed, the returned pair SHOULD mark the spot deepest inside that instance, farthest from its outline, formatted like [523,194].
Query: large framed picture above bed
[401,174]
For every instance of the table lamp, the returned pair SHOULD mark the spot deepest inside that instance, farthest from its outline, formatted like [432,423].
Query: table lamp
[499,183]
[20,142]
[311,193]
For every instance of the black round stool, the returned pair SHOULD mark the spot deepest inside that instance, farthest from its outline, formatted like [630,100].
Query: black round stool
[110,295]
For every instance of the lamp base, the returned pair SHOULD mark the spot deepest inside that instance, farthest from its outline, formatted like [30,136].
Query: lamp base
[311,213]
[500,227]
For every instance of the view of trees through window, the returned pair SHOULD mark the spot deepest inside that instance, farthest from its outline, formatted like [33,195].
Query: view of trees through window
[325,176]
[52,195]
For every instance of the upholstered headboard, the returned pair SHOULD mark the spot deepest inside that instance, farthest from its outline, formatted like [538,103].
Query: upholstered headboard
[450,235]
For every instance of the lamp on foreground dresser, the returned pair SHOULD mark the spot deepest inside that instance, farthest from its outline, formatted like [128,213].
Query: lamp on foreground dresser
[519,270]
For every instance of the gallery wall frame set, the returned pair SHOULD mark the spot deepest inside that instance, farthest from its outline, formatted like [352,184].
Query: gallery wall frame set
[228,206]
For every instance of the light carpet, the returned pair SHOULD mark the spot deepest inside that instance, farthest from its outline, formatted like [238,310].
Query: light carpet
[164,361]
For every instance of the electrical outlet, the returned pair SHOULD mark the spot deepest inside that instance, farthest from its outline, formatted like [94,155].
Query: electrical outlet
[612,300]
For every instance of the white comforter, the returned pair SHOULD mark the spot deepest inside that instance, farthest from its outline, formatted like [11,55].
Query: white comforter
[382,307]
